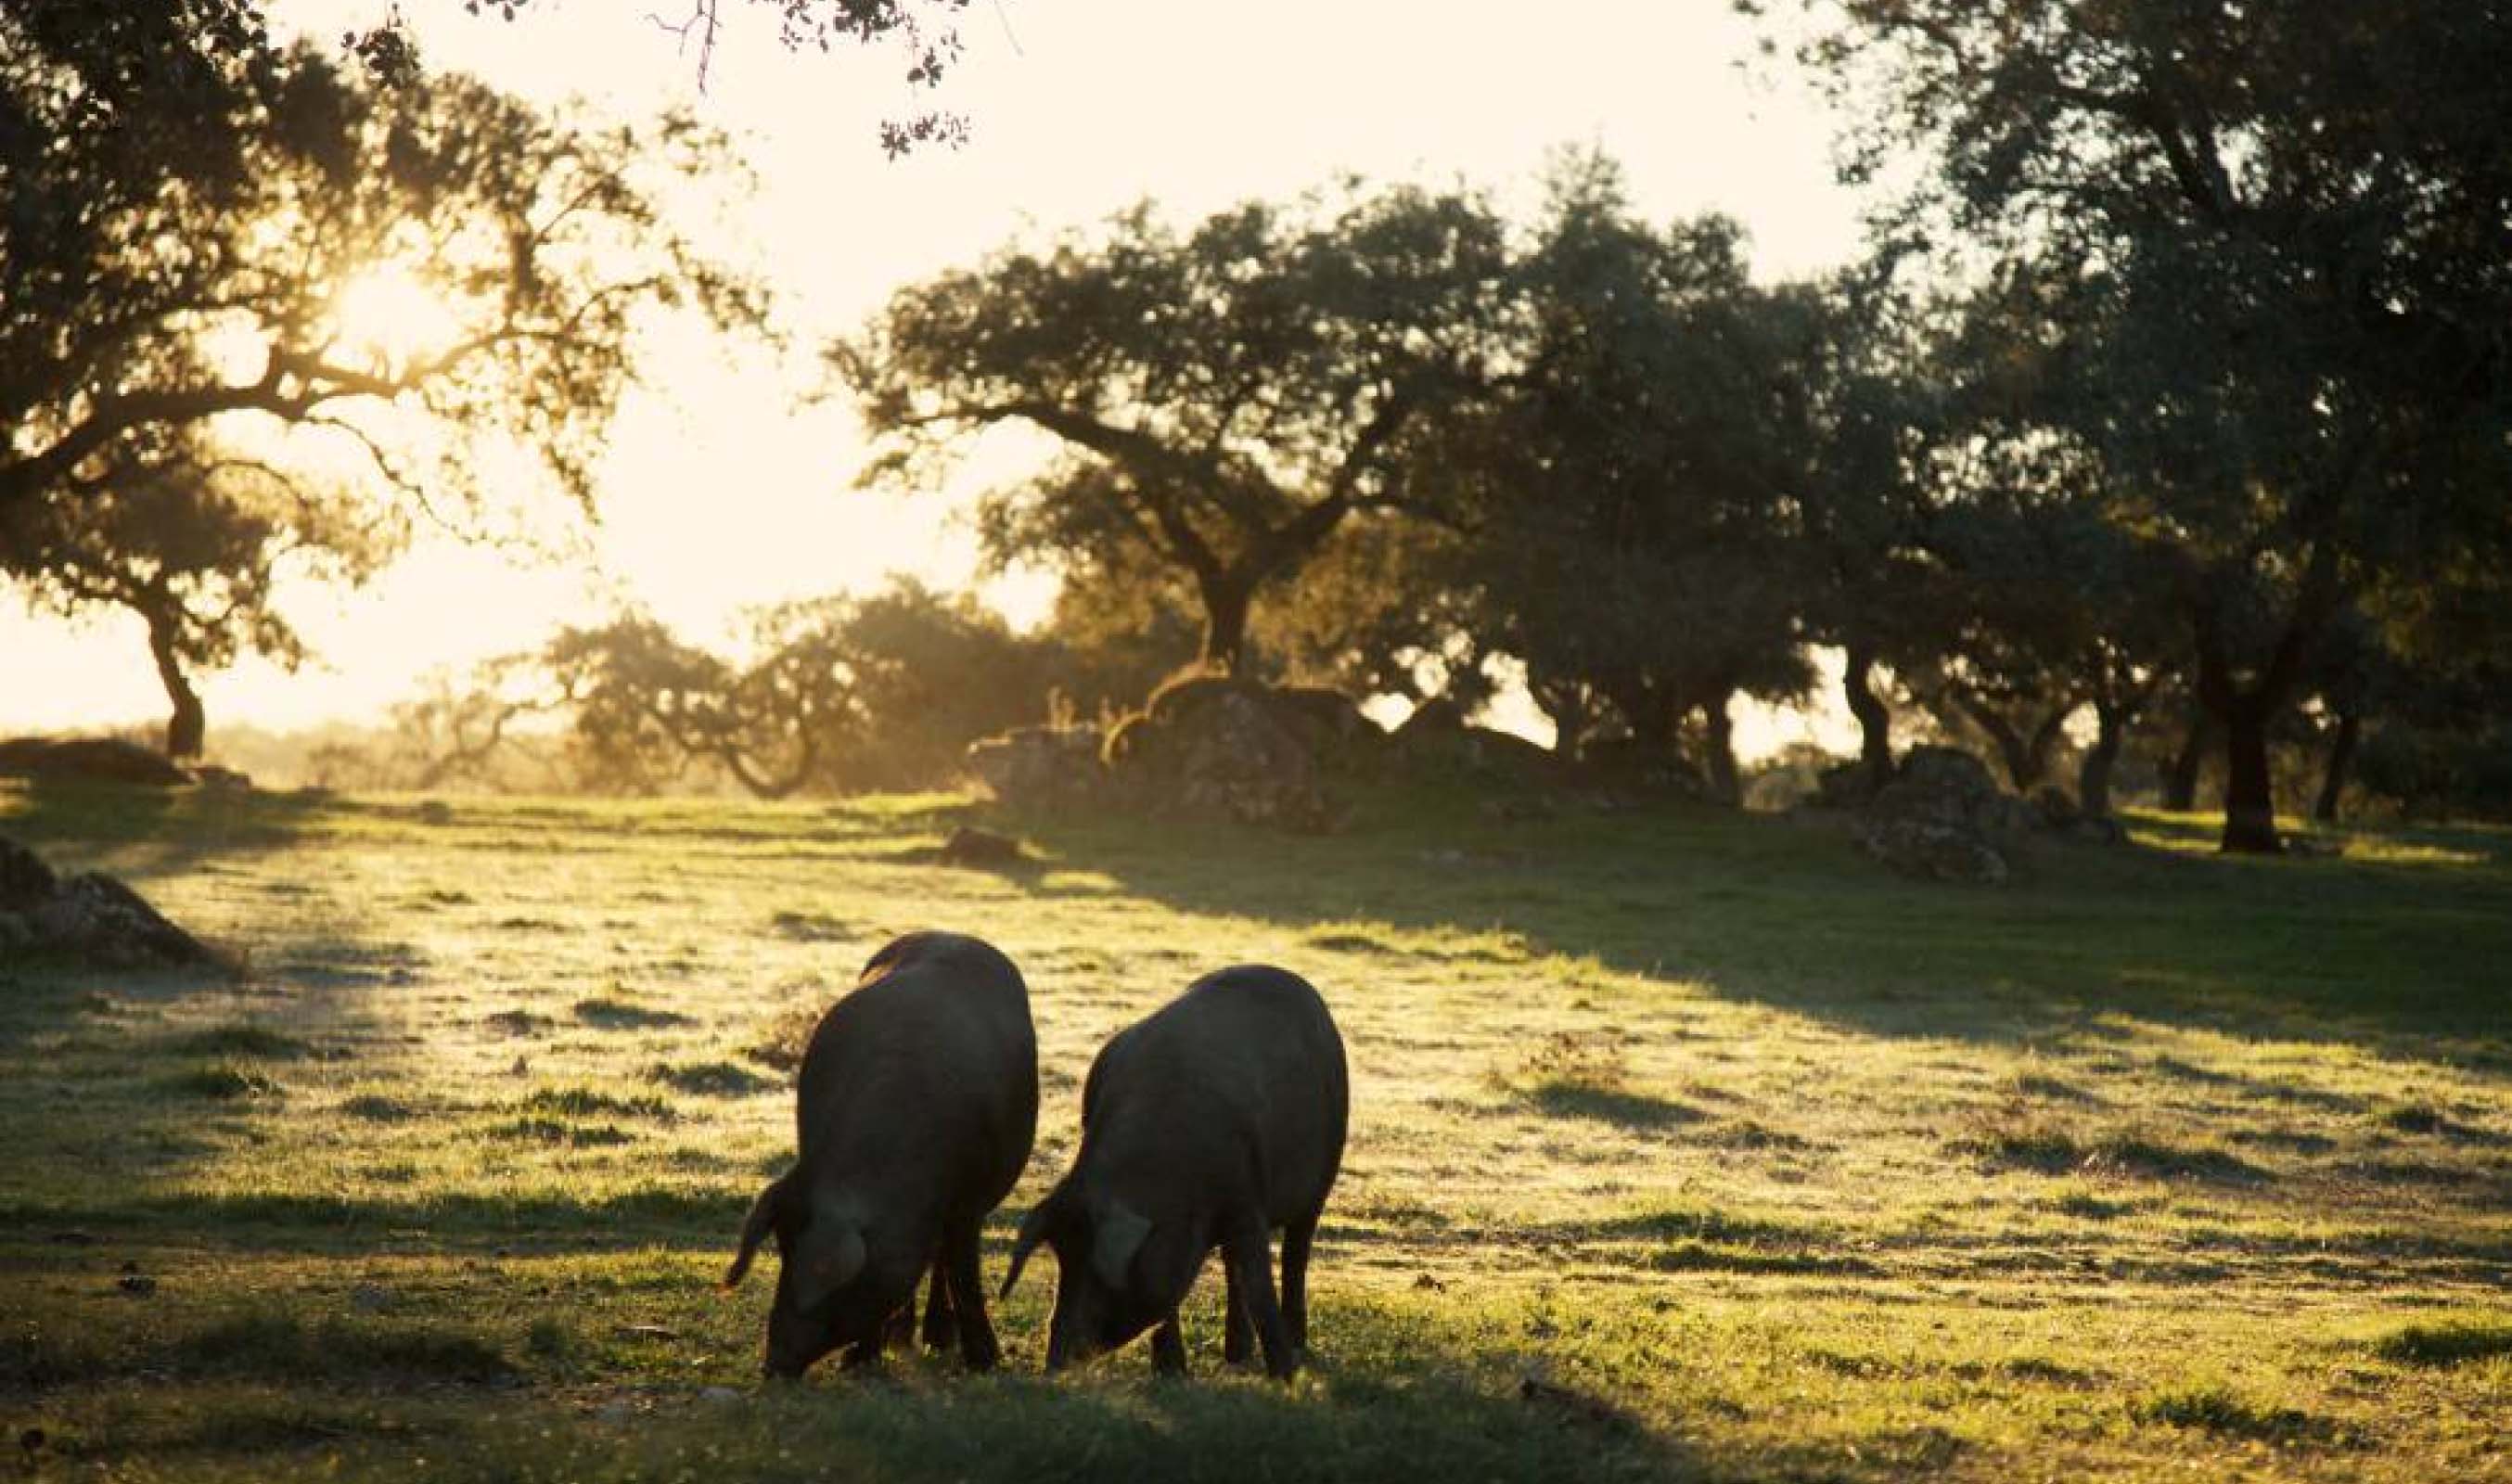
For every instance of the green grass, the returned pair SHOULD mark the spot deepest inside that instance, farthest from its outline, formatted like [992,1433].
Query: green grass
[1685,1144]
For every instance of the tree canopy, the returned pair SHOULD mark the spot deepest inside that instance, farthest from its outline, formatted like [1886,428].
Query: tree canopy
[2267,239]
[219,257]
[1224,398]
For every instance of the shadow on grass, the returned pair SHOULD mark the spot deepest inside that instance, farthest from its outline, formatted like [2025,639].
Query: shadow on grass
[1636,1111]
[149,830]
[1762,908]
[1392,1397]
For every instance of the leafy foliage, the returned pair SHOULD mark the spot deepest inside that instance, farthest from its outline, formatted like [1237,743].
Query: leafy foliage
[193,216]
[1226,398]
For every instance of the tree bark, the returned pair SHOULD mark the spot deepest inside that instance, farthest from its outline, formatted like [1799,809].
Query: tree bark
[1571,709]
[2342,757]
[187,729]
[1725,780]
[2094,773]
[2181,784]
[1227,601]
[2250,795]
[1875,717]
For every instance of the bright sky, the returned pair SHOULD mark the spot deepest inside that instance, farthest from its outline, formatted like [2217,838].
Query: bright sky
[721,493]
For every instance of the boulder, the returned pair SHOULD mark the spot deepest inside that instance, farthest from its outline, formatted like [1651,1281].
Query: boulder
[1436,735]
[26,882]
[1934,850]
[1337,731]
[1623,765]
[1944,818]
[1220,746]
[2097,830]
[983,849]
[92,914]
[2056,807]
[1945,785]
[1844,786]
[1041,764]
[99,759]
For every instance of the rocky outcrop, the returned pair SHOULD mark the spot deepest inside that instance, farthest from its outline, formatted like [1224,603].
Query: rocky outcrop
[1216,746]
[92,916]
[1437,736]
[96,759]
[1034,765]
[1943,817]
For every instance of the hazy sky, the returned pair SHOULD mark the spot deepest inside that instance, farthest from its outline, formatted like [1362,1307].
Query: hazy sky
[720,492]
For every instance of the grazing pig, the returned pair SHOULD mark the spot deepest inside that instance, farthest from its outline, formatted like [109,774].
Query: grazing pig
[914,1112]
[1211,1123]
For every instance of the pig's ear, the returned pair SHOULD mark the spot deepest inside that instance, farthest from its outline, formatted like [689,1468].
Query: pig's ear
[1034,1228]
[1121,1229]
[828,1256]
[755,1229]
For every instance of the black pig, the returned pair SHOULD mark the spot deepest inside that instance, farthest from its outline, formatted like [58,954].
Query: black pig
[914,1112]
[1211,1123]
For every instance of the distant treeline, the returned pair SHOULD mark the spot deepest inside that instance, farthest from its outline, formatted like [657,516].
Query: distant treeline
[2169,418]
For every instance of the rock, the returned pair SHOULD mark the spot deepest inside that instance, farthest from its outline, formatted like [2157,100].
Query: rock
[1436,735]
[1041,764]
[1943,817]
[1843,785]
[92,914]
[1337,729]
[2097,830]
[1933,850]
[1437,718]
[1220,746]
[1946,771]
[972,846]
[98,916]
[2056,806]
[96,759]
[1622,766]
[1943,785]
[24,879]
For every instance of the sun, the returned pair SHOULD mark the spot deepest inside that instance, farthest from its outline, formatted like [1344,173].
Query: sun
[387,313]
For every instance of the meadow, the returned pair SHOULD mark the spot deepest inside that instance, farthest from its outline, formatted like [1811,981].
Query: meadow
[1686,1145]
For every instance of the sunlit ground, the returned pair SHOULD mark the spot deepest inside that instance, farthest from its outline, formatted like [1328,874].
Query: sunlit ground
[1758,1162]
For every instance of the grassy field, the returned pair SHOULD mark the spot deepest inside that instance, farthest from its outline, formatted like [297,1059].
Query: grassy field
[1686,1145]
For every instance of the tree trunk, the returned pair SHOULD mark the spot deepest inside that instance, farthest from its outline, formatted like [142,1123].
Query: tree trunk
[1725,781]
[1227,601]
[2250,796]
[2181,784]
[2023,769]
[2342,757]
[1875,717]
[1571,709]
[2094,774]
[187,729]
